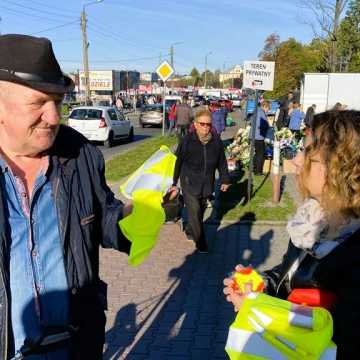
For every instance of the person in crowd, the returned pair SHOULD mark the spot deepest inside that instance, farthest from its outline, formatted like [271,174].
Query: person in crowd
[338,107]
[309,116]
[119,103]
[324,247]
[283,116]
[218,118]
[261,130]
[172,117]
[184,118]
[55,212]
[296,119]
[199,155]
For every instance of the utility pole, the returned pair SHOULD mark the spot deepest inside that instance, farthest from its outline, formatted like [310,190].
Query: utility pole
[172,65]
[85,50]
[223,76]
[85,56]
[209,53]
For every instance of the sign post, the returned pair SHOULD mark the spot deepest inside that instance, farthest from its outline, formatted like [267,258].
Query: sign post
[258,75]
[164,70]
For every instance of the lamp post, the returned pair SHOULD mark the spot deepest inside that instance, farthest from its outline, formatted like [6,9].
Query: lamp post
[209,53]
[85,49]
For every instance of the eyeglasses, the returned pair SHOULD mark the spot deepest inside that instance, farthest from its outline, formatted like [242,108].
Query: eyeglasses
[203,124]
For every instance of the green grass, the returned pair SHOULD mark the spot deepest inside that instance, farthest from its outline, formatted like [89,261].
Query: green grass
[233,204]
[127,162]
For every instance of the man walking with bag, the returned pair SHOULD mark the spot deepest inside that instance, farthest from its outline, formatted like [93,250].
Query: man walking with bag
[199,155]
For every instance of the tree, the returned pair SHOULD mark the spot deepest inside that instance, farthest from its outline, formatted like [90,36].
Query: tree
[194,73]
[349,39]
[292,60]
[327,19]
[269,52]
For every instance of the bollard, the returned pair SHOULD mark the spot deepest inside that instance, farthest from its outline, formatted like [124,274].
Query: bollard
[275,173]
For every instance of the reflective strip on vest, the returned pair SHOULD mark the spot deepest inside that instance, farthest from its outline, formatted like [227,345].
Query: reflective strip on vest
[247,342]
[147,181]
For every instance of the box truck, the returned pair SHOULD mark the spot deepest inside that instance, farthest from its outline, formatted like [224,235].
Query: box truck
[326,89]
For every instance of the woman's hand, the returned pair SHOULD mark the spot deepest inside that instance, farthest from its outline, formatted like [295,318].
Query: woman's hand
[232,292]
[236,297]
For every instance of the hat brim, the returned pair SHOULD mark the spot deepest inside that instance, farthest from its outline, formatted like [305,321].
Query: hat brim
[60,87]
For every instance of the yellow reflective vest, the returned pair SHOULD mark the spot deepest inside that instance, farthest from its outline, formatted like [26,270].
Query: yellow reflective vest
[146,187]
[270,328]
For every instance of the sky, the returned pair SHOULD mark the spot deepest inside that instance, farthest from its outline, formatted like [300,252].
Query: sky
[135,34]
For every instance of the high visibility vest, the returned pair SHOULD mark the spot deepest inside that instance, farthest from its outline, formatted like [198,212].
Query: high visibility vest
[270,328]
[146,187]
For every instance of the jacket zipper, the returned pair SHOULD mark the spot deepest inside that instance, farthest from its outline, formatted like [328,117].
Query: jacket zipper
[204,147]
[62,225]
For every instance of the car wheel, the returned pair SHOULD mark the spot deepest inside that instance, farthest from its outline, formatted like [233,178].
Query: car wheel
[110,140]
[131,135]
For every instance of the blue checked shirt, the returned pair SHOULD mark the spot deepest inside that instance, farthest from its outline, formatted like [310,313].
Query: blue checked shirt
[38,284]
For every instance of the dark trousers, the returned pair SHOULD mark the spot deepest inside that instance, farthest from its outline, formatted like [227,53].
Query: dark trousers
[195,213]
[259,156]
[182,130]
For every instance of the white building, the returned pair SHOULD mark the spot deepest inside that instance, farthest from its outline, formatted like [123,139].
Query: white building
[233,73]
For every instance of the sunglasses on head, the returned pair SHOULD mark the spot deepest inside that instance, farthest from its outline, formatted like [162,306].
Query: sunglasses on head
[203,124]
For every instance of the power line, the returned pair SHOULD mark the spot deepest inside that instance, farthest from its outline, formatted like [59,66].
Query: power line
[17,12]
[55,27]
[114,34]
[114,61]
[36,9]
[52,6]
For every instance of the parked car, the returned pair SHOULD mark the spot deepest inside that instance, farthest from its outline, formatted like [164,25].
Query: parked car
[151,115]
[222,103]
[101,123]
[199,100]
[250,107]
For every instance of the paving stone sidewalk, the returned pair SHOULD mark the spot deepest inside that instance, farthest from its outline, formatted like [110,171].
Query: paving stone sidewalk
[172,306]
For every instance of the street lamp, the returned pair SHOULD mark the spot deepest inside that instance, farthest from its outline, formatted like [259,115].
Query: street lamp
[209,53]
[85,49]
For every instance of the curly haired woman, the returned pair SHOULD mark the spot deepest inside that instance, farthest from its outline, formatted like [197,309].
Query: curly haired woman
[324,247]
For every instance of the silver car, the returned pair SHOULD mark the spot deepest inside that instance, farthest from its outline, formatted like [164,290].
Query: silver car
[151,115]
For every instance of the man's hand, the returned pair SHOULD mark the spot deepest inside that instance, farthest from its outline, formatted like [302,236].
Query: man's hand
[224,187]
[128,208]
[173,192]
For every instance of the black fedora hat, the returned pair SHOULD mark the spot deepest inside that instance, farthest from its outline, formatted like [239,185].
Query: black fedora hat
[30,61]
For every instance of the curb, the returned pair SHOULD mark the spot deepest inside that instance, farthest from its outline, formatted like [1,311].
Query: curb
[245,222]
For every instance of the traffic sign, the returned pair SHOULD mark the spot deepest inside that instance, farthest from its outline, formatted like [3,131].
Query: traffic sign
[164,70]
[259,75]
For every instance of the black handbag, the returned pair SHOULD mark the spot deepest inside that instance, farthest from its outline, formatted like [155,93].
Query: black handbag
[173,208]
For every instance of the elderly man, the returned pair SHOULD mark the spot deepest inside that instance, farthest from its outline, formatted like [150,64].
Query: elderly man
[55,212]
[199,155]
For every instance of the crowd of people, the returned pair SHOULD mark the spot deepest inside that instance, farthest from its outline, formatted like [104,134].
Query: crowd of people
[56,211]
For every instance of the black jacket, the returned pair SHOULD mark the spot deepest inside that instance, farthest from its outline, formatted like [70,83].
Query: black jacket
[88,218]
[338,272]
[196,165]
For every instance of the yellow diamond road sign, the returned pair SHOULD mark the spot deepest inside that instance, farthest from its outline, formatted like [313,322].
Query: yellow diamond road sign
[164,70]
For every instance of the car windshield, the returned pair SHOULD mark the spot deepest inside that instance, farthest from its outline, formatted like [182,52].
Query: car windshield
[86,114]
[157,107]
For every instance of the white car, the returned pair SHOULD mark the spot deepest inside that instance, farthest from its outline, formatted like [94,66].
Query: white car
[101,123]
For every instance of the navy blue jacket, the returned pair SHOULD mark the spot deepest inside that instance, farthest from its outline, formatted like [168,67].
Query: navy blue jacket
[88,216]
[196,165]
